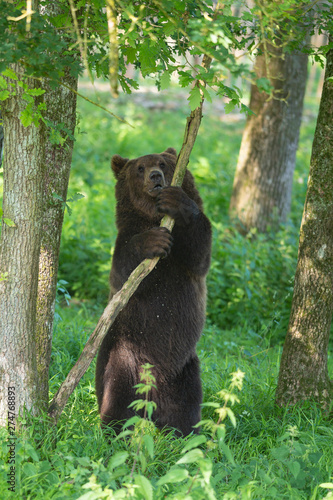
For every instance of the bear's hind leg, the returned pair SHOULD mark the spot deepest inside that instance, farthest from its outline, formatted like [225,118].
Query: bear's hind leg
[179,398]
[121,374]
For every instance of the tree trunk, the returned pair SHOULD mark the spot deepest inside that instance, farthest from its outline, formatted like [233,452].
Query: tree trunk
[303,370]
[23,171]
[1,139]
[60,109]
[262,186]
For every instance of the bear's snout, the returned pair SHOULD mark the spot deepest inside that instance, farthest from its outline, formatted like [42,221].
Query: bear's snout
[156,176]
[155,181]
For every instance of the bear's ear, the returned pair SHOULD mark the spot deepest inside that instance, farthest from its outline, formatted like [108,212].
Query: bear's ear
[117,163]
[170,151]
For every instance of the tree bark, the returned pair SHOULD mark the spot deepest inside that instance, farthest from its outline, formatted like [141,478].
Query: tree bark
[263,181]
[1,139]
[303,370]
[23,171]
[60,109]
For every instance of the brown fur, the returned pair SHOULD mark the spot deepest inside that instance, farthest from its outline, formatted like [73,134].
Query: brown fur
[163,320]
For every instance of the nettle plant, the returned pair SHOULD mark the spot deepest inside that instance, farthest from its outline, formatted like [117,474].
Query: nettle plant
[190,476]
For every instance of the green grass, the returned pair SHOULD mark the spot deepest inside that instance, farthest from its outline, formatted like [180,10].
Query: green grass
[271,453]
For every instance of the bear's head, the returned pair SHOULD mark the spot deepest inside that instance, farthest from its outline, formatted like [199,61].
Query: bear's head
[140,180]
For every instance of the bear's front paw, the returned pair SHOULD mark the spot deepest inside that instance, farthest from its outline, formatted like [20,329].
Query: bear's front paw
[155,242]
[173,201]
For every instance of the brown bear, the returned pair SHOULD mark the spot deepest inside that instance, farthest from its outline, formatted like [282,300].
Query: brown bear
[163,320]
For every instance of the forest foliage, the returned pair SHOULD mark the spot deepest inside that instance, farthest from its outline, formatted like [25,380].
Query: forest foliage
[158,38]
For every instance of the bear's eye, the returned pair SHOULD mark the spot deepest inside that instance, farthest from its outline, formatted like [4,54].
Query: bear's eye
[141,168]
[162,166]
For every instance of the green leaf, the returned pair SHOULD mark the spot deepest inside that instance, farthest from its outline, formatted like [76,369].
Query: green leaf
[10,74]
[9,222]
[211,404]
[32,453]
[194,98]
[194,443]
[226,450]
[280,453]
[52,478]
[168,28]
[131,421]
[165,80]
[35,92]
[206,94]
[185,78]
[3,83]
[150,407]
[326,485]
[175,475]
[246,110]
[138,404]
[42,106]
[191,456]
[4,94]
[206,468]
[180,5]
[145,487]
[232,417]
[294,468]
[57,197]
[28,98]
[23,85]
[29,469]
[123,435]
[230,106]
[44,466]
[27,116]
[149,444]
[221,432]
[147,57]
[117,459]
[130,53]
[143,462]
[61,21]
[315,457]
[68,208]
[75,197]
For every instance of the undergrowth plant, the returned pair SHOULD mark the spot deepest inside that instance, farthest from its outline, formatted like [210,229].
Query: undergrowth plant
[187,478]
[256,459]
